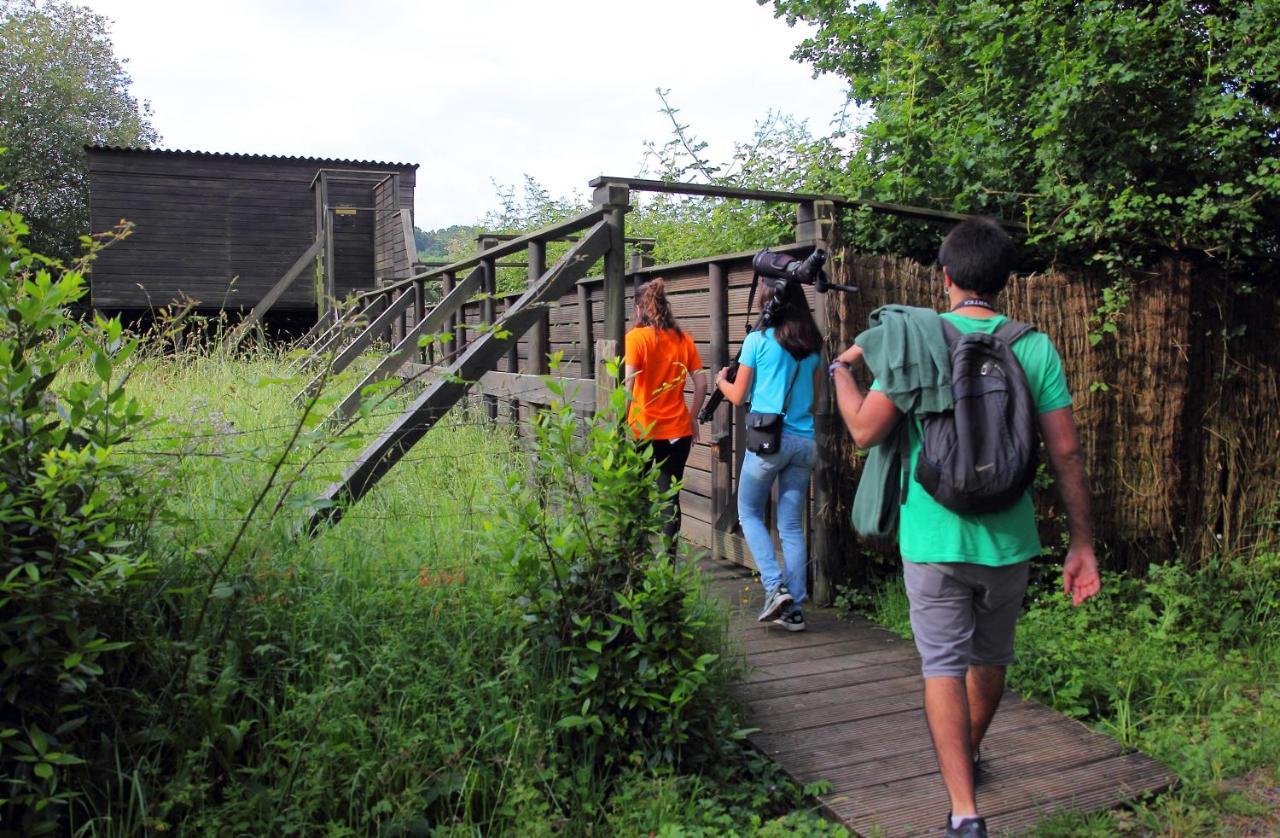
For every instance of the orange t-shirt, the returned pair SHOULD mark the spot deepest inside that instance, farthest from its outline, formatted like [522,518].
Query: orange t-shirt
[663,360]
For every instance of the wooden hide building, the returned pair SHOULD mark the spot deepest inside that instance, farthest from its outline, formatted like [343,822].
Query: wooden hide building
[224,229]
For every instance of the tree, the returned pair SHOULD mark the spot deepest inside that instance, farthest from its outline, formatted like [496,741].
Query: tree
[1119,130]
[445,242]
[781,155]
[61,88]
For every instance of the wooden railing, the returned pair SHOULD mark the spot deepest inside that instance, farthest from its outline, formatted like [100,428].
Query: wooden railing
[601,238]
[773,196]
[588,325]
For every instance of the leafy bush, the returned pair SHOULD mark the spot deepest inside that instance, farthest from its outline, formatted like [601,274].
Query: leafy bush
[1117,130]
[381,678]
[69,547]
[643,682]
[1180,663]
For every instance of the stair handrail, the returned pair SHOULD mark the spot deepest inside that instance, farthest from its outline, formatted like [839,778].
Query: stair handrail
[570,225]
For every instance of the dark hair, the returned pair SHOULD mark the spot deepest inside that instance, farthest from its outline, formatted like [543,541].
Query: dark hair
[793,324]
[978,256]
[652,308]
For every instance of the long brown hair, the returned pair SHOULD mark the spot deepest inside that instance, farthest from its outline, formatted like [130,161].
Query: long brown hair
[652,308]
[793,325]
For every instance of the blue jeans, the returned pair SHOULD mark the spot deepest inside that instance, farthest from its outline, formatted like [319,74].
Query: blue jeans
[792,466]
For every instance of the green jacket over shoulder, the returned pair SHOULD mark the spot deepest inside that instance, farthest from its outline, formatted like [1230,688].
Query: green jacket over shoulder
[905,350]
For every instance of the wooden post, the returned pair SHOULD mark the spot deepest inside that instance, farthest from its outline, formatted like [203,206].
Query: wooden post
[641,257]
[722,512]
[317,278]
[513,366]
[540,334]
[612,200]
[419,308]
[586,333]
[449,349]
[816,222]
[330,269]
[606,350]
[489,312]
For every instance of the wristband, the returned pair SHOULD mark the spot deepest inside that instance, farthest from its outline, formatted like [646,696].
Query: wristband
[831,368]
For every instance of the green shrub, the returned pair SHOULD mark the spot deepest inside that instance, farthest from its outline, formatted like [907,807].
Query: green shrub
[70,511]
[1182,664]
[580,533]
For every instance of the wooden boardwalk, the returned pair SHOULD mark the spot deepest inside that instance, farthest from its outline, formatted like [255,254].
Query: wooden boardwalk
[842,702]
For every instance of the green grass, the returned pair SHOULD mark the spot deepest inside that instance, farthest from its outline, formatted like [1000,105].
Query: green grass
[372,679]
[1182,665]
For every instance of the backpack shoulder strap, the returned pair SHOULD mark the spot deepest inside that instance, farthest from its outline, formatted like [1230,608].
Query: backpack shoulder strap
[1010,330]
[949,332]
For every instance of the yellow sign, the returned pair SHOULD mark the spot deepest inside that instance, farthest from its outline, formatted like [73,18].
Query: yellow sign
[344,211]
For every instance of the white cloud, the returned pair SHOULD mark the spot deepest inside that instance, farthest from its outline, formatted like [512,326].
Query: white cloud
[472,91]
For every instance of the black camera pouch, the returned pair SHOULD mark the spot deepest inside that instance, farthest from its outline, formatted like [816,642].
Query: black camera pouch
[764,432]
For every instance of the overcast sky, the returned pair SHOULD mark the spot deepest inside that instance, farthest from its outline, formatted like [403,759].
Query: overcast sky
[475,91]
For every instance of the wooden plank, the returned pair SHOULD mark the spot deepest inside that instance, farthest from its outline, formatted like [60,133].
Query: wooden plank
[855,657]
[1008,734]
[404,351]
[353,320]
[1105,797]
[328,287]
[237,335]
[1052,745]
[579,393]
[488,317]
[767,659]
[843,702]
[815,747]
[410,244]
[827,680]
[857,701]
[920,804]
[356,347]
[313,334]
[745,194]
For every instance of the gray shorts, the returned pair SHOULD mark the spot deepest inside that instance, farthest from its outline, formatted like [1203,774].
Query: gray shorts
[964,613]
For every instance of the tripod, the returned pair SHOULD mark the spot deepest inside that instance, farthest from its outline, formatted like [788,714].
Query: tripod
[778,269]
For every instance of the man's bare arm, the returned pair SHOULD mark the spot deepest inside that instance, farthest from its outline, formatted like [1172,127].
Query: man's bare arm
[1080,570]
[870,417]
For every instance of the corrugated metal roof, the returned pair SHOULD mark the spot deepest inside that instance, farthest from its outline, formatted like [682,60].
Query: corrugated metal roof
[178,152]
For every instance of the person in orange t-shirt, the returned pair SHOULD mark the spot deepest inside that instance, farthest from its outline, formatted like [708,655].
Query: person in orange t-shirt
[659,358]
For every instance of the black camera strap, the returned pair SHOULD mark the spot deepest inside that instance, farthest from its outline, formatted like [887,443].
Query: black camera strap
[751,298]
[786,400]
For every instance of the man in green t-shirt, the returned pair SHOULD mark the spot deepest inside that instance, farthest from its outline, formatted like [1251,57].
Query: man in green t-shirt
[966,574]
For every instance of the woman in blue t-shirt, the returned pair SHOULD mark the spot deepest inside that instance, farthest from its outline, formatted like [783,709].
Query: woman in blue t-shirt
[778,373]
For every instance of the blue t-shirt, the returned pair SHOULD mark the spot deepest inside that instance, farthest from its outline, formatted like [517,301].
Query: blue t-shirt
[773,368]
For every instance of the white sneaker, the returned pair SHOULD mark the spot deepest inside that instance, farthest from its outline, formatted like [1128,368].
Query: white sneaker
[776,600]
[792,619]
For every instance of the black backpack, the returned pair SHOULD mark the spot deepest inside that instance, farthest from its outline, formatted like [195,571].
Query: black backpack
[981,455]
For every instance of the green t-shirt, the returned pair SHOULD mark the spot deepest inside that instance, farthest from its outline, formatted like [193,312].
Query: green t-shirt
[928,531]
